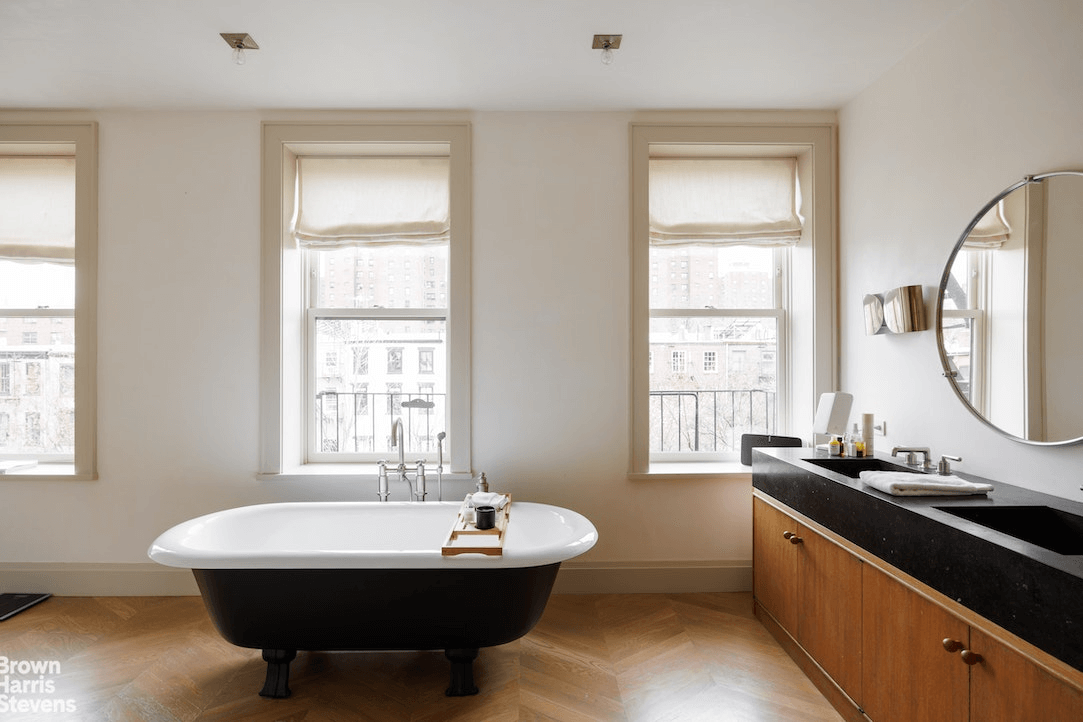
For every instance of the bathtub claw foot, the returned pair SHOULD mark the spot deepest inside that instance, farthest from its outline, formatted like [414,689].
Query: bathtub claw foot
[462,672]
[277,684]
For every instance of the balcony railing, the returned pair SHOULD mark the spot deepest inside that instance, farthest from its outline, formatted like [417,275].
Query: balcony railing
[355,422]
[709,420]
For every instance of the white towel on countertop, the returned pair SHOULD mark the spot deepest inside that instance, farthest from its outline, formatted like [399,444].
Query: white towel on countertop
[487,498]
[904,483]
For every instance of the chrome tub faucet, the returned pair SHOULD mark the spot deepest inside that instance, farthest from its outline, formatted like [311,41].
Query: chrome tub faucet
[398,440]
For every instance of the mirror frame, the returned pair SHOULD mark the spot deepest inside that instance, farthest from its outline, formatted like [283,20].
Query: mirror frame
[944,363]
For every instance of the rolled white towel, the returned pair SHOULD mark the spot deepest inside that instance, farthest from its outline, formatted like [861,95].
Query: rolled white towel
[903,483]
[487,498]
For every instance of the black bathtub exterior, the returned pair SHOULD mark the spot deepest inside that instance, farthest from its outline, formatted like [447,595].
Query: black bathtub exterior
[282,611]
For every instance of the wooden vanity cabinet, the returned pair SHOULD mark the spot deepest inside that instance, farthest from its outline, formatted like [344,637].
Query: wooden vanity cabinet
[907,674]
[1007,687]
[774,579]
[812,587]
[899,655]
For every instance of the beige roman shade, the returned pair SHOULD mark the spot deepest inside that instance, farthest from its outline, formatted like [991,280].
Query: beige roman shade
[735,201]
[991,231]
[37,208]
[348,201]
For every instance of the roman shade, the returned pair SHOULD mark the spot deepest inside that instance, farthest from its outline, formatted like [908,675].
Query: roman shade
[37,208]
[991,231]
[349,201]
[728,201]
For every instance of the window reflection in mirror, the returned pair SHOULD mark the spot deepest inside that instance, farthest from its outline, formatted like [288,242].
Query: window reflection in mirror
[1010,336]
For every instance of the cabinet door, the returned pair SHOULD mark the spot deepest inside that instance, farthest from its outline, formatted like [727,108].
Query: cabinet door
[907,674]
[1007,687]
[829,609]
[774,564]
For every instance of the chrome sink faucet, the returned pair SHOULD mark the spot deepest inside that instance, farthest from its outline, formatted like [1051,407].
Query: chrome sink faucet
[911,458]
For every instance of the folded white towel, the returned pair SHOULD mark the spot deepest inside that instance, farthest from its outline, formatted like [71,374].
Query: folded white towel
[903,483]
[487,498]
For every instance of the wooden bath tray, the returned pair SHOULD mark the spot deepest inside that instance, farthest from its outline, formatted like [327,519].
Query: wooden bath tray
[465,538]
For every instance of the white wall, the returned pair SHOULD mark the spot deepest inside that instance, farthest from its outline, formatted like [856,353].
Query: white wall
[179,345]
[991,96]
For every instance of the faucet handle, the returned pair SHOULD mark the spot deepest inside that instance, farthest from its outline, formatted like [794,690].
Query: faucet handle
[944,468]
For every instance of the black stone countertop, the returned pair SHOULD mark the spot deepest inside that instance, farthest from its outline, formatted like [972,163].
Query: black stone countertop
[1032,592]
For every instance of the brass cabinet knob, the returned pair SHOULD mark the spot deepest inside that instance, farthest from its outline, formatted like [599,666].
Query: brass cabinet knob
[971,657]
[796,539]
[953,645]
[787,534]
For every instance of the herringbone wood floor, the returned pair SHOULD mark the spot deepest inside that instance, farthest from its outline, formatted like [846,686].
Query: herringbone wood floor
[646,657]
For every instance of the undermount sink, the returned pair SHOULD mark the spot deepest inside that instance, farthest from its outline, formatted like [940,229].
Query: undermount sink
[853,466]
[1052,529]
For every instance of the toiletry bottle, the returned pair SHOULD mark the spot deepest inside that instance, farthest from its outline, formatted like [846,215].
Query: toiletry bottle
[851,442]
[834,448]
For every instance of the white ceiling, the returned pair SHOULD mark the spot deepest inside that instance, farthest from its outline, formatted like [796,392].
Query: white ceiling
[463,54]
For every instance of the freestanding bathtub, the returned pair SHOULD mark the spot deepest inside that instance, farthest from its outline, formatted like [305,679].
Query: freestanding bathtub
[370,576]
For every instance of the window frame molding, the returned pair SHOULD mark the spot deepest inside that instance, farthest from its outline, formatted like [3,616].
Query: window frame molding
[83,137]
[819,140]
[282,372]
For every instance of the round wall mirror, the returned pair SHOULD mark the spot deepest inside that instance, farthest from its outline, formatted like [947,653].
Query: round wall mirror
[1008,320]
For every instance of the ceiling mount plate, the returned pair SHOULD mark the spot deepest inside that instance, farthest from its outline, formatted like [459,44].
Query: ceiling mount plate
[239,40]
[600,42]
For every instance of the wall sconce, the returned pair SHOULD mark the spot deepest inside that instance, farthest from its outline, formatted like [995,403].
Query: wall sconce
[607,44]
[900,310]
[874,314]
[239,42]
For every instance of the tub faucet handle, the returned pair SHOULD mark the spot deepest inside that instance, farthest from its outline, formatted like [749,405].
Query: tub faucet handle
[383,492]
[422,492]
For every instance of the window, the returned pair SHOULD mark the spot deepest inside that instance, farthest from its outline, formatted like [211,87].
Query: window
[32,386]
[394,360]
[425,361]
[363,399]
[678,364]
[33,430]
[749,275]
[48,260]
[320,181]
[409,216]
[394,399]
[962,327]
[361,360]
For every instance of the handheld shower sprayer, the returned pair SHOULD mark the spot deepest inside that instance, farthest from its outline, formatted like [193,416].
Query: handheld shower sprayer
[440,465]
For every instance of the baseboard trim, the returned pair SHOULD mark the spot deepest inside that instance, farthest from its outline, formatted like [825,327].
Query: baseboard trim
[680,577]
[152,580]
[67,579]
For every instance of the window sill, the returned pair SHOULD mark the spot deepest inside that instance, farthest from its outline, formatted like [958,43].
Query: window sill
[47,472]
[693,470]
[349,472]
